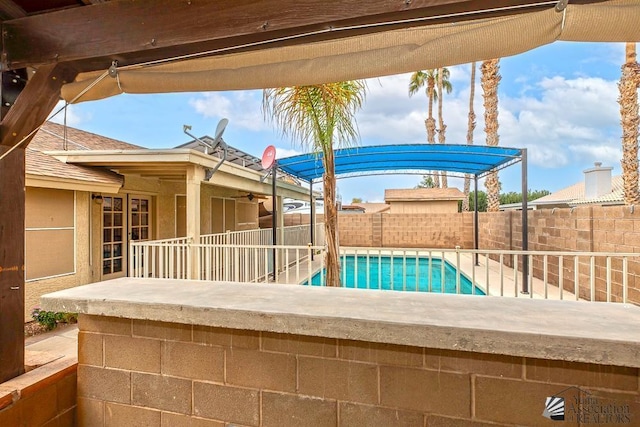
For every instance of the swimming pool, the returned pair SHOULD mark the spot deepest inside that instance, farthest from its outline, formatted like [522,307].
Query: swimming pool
[399,273]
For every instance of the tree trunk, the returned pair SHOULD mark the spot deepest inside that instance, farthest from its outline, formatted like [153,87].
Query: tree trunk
[443,127]
[490,80]
[471,125]
[431,124]
[628,86]
[332,260]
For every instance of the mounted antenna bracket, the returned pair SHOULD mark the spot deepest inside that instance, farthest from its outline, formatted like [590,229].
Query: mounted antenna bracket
[218,141]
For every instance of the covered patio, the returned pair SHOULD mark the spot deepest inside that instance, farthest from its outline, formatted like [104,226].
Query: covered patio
[263,373]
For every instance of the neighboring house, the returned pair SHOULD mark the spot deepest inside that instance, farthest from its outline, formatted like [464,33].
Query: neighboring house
[423,200]
[598,188]
[373,207]
[89,196]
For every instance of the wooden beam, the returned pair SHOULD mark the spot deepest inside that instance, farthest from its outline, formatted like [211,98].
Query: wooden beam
[34,103]
[10,10]
[12,264]
[31,108]
[145,30]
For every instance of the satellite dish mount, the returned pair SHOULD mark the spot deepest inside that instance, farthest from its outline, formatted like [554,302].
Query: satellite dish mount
[217,142]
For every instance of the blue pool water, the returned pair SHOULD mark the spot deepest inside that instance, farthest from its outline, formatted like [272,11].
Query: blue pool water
[403,274]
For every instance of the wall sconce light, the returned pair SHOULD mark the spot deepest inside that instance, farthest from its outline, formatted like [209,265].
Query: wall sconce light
[97,198]
[250,196]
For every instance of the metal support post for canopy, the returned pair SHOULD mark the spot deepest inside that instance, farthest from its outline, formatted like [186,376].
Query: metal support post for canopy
[525,225]
[274,217]
[476,226]
[312,214]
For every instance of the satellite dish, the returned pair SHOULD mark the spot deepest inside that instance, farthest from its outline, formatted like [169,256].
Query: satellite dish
[268,157]
[222,124]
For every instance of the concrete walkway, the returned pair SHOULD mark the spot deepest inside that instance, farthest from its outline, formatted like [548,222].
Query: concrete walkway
[54,345]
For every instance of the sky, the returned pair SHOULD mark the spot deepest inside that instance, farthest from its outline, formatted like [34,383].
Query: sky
[559,101]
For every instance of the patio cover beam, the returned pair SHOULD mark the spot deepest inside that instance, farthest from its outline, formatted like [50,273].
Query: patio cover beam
[147,30]
[31,108]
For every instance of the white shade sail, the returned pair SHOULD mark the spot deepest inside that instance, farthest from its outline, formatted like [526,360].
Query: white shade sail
[370,55]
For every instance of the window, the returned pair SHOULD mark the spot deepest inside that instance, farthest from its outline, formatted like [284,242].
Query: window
[50,244]
[113,238]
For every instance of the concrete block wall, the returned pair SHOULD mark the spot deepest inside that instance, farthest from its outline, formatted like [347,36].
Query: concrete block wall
[400,230]
[582,229]
[45,396]
[197,375]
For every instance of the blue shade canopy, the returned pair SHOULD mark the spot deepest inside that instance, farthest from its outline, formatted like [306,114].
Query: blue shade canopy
[476,160]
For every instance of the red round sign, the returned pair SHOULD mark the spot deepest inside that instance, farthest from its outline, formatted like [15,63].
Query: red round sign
[268,157]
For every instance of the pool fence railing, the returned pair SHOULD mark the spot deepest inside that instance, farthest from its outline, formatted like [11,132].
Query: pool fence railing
[599,276]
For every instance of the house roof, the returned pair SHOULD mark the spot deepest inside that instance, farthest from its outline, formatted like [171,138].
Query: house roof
[51,137]
[422,194]
[574,195]
[74,159]
[373,207]
[46,169]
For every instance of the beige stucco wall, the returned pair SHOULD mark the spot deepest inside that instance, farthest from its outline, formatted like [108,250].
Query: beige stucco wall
[84,271]
[435,206]
[163,198]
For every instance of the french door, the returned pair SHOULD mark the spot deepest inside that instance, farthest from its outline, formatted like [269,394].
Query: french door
[125,218]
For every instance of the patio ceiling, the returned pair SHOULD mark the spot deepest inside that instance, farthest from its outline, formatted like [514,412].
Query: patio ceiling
[476,160]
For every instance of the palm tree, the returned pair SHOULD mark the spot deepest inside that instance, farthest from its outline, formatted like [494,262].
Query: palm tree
[428,78]
[628,86]
[319,117]
[489,81]
[442,76]
[471,125]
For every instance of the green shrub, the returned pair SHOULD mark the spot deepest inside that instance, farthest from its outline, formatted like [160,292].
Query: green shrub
[50,319]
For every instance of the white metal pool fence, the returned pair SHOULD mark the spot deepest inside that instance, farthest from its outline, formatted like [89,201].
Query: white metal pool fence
[172,258]
[551,275]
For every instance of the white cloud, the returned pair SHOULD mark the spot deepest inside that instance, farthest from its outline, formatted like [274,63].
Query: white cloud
[571,121]
[73,118]
[563,122]
[286,152]
[242,108]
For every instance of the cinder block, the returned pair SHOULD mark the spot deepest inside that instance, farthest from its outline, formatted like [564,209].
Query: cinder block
[474,363]
[127,353]
[67,392]
[586,374]
[385,354]
[90,349]
[40,407]
[162,330]
[263,370]
[104,384]
[104,324]
[196,361]
[287,410]
[299,344]
[511,401]
[130,416]
[179,420]
[161,392]
[225,403]
[212,336]
[338,379]
[357,415]
[424,390]
[90,412]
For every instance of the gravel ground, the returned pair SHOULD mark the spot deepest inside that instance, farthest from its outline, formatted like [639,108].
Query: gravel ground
[33,328]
